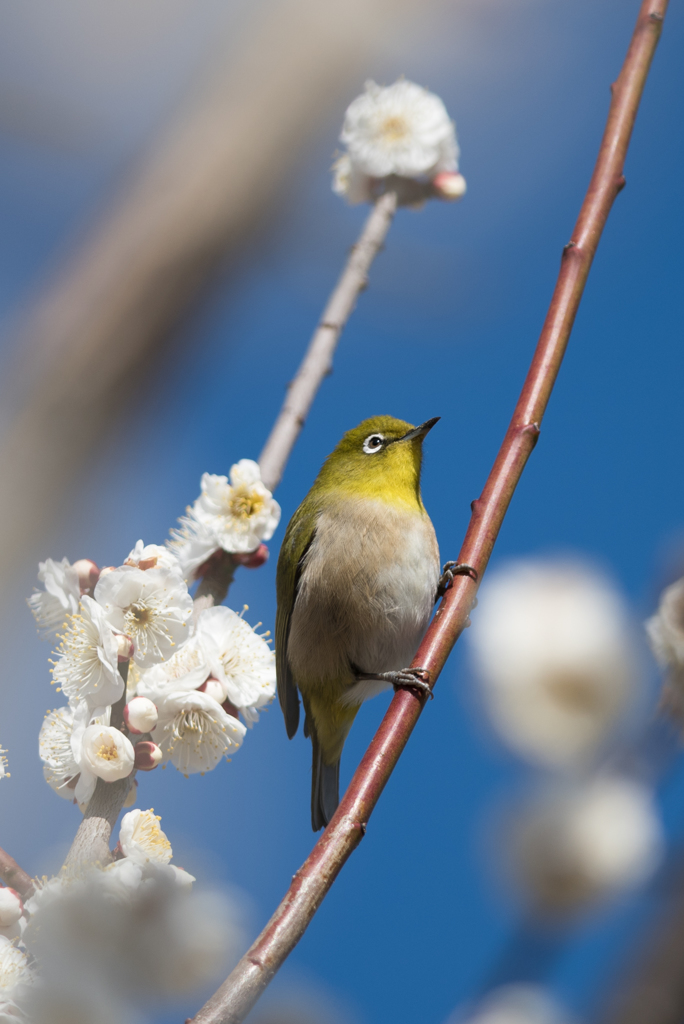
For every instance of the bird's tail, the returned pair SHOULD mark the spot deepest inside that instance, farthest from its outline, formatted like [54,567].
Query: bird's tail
[325,787]
[328,732]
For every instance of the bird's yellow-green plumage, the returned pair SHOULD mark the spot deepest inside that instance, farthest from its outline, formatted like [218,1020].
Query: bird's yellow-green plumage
[356,581]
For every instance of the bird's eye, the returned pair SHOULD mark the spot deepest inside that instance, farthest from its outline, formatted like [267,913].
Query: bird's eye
[373,443]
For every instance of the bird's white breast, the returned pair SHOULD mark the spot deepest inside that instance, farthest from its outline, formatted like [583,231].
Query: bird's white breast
[365,595]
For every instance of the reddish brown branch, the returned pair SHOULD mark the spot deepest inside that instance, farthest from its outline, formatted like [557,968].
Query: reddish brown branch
[14,876]
[242,988]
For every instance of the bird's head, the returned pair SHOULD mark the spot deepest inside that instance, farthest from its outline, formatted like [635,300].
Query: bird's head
[380,458]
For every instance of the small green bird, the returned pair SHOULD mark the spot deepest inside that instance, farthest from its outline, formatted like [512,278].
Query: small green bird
[358,576]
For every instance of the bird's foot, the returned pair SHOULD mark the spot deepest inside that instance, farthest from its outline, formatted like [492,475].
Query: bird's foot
[450,570]
[403,679]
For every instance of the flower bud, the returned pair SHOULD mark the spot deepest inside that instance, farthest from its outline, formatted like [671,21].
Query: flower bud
[11,907]
[450,186]
[213,688]
[125,648]
[107,752]
[147,755]
[230,709]
[140,715]
[88,574]
[132,794]
[252,559]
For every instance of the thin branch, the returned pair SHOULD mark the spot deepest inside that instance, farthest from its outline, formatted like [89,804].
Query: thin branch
[317,362]
[91,842]
[242,988]
[14,876]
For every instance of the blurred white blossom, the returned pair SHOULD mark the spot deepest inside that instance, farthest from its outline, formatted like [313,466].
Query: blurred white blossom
[402,130]
[235,517]
[110,939]
[87,657]
[553,649]
[152,607]
[3,764]
[519,1004]
[194,732]
[15,975]
[11,907]
[141,837]
[60,597]
[579,844]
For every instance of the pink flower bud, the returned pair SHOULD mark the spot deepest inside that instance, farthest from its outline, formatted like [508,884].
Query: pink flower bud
[252,559]
[448,185]
[140,715]
[88,574]
[230,709]
[11,907]
[147,755]
[214,689]
[125,648]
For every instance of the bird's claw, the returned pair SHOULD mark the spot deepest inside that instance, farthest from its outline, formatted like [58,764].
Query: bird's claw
[410,679]
[450,570]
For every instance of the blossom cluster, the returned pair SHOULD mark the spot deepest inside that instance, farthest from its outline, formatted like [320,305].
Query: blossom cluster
[554,652]
[395,136]
[88,942]
[189,681]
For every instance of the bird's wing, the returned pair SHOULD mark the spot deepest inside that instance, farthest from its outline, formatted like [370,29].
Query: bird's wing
[298,537]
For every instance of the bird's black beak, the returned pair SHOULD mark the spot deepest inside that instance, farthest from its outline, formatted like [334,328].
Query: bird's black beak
[422,430]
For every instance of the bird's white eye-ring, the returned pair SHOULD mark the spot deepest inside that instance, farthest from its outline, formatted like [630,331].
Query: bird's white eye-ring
[373,443]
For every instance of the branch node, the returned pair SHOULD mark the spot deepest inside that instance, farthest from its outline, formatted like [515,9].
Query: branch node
[620,183]
[655,16]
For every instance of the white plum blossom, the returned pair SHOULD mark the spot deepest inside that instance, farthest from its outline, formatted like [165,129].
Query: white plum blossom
[141,837]
[586,842]
[152,556]
[54,746]
[4,774]
[401,129]
[194,732]
[518,1004]
[185,670]
[553,650]
[110,939]
[235,517]
[151,606]
[238,658]
[87,657]
[60,598]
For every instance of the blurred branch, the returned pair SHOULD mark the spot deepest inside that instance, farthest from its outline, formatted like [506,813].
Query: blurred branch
[14,876]
[242,988]
[650,990]
[194,198]
[317,362]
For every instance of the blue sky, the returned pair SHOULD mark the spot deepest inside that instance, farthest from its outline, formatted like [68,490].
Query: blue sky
[447,327]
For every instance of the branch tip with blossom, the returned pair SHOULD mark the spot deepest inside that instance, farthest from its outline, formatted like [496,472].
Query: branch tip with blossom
[238,994]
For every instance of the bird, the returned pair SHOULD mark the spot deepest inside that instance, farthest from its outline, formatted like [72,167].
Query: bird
[357,578]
